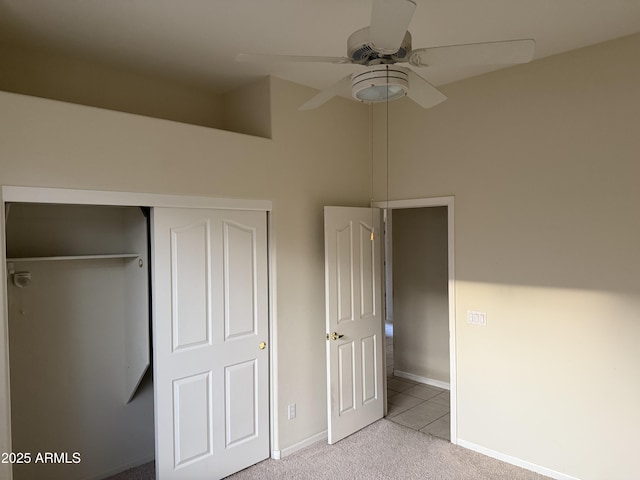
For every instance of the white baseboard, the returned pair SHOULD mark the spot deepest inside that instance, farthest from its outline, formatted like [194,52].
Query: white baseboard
[425,380]
[278,454]
[515,461]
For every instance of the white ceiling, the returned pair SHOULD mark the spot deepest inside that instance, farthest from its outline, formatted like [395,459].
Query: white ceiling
[196,41]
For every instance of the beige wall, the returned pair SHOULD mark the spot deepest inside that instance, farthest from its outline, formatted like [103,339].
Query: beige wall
[247,109]
[543,162]
[84,81]
[420,299]
[312,161]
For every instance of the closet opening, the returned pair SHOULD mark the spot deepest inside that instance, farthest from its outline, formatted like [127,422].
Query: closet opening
[81,383]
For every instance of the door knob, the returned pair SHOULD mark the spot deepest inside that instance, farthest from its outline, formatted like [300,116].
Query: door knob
[334,336]
[262,345]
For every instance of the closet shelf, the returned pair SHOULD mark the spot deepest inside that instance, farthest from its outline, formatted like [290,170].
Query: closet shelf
[74,257]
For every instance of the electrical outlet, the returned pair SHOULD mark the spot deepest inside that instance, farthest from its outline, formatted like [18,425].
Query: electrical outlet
[477,318]
[291,411]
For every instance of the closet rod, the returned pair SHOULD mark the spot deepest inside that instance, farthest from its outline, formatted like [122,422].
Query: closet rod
[74,257]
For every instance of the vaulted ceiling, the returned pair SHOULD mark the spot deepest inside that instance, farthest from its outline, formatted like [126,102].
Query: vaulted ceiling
[196,41]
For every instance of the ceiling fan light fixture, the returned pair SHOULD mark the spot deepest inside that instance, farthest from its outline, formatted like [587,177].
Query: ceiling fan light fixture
[380,83]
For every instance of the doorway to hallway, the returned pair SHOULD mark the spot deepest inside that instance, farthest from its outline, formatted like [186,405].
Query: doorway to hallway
[413,404]
[420,319]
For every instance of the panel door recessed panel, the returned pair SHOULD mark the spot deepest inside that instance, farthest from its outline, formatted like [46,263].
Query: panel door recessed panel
[241,399]
[367,278]
[240,282]
[192,418]
[369,369]
[346,377]
[190,278]
[344,270]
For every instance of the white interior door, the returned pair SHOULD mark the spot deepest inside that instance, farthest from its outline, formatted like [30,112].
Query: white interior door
[210,317]
[353,291]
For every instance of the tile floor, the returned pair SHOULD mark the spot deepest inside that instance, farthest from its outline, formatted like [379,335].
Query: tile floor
[421,407]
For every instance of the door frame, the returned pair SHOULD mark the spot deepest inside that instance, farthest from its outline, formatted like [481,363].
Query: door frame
[448,202]
[11,194]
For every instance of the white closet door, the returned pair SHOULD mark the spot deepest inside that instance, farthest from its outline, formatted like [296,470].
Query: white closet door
[210,319]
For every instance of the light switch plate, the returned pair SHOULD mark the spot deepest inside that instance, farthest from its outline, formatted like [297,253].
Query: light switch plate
[477,318]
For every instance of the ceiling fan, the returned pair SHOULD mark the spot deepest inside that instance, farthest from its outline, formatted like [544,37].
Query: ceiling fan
[386,44]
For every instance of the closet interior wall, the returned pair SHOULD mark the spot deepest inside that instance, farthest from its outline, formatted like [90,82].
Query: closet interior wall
[79,342]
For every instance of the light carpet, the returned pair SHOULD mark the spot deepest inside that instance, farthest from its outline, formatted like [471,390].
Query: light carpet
[386,450]
[381,451]
[142,472]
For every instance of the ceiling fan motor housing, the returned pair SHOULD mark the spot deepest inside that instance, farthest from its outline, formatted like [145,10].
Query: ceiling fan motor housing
[380,83]
[362,51]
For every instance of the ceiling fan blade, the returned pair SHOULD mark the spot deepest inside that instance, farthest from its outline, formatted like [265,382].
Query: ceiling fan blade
[389,22]
[342,87]
[423,93]
[266,58]
[488,53]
